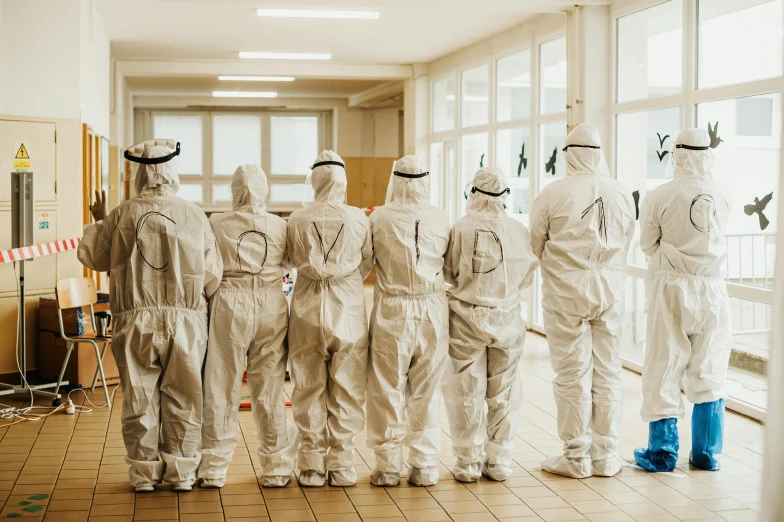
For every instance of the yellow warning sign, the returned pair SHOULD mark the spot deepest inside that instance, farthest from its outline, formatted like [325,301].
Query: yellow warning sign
[22,161]
[22,153]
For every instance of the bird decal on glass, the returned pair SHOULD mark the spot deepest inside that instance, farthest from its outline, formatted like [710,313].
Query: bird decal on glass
[550,165]
[757,208]
[663,153]
[713,133]
[523,161]
[636,196]
[482,161]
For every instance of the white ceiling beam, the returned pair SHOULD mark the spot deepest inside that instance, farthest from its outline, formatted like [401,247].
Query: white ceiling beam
[376,94]
[320,70]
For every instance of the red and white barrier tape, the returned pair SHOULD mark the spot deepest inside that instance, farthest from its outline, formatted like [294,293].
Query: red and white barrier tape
[44,249]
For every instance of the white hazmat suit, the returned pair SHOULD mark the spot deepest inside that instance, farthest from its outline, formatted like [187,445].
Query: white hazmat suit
[330,245]
[581,229]
[249,319]
[682,228]
[489,264]
[409,329]
[164,265]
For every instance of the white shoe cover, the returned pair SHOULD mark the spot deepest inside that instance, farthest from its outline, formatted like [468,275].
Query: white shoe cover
[342,477]
[606,467]
[575,468]
[312,478]
[146,488]
[212,483]
[497,472]
[275,481]
[423,476]
[182,487]
[379,478]
[467,472]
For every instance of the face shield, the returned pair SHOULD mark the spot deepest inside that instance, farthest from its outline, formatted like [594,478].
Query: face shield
[409,182]
[583,152]
[157,172]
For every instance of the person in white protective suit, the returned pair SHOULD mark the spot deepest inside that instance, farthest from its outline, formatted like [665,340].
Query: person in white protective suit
[409,329]
[489,264]
[682,229]
[249,319]
[329,243]
[581,229]
[164,266]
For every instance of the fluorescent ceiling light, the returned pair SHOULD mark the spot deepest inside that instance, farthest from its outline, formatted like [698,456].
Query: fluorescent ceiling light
[285,56]
[256,78]
[317,13]
[243,94]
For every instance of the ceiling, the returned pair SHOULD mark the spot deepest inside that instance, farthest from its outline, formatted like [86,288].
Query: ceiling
[204,85]
[408,31]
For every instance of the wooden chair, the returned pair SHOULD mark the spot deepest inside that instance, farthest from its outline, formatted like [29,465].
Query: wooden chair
[77,292]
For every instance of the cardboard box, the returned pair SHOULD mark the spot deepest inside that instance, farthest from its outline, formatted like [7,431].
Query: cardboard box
[81,365]
[76,321]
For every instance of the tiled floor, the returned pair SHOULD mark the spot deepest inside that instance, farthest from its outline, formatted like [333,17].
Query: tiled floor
[71,468]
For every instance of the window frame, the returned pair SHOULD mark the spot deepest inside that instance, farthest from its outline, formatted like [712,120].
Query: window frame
[688,100]
[208,179]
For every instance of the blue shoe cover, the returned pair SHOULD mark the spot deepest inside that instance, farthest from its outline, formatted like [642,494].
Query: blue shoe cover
[707,435]
[662,451]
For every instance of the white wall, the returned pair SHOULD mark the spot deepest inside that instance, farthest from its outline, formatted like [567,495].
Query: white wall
[39,58]
[54,58]
[94,70]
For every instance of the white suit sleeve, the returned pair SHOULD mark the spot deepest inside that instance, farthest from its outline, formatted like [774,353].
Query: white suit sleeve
[540,226]
[452,259]
[95,249]
[213,262]
[532,260]
[366,265]
[650,229]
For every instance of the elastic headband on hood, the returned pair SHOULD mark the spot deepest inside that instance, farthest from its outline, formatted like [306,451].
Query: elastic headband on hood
[325,163]
[495,195]
[691,147]
[410,176]
[153,161]
[581,146]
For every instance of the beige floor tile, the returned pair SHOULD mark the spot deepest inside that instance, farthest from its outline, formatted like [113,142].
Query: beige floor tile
[378,511]
[721,504]
[546,503]
[559,515]
[242,500]
[294,515]
[691,513]
[594,506]
[282,504]
[67,516]
[511,511]
[533,492]
[502,499]
[112,509]
[325,496]
[324,508]
[426,515]
[616,516]
[338,517]
[201,507]
[742,515]
[155,502]
[69,505]
[463,506]
[244,511]
[642,508]
[282,492]
[416,503]
[114,498]
[118,518]
[483,517]
[406,492]
[656,518]
[200,495]
[371,500]
[156,514]
[202,517]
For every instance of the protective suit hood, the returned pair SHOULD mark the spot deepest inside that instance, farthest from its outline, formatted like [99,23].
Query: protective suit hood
[583,152]
[691,162]
[328,178]
[488,192]
[158,169]
[249,189]
[409,182]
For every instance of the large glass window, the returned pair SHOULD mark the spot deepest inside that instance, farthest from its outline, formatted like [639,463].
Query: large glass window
[552,76]
[436,172]
[188,130]
[191,192]
[650,49]
[513,151]
[552,164]
[473,155]
[740,41]
[474,96]
[513,86]
[443,103]
[295,143]
[236,140]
